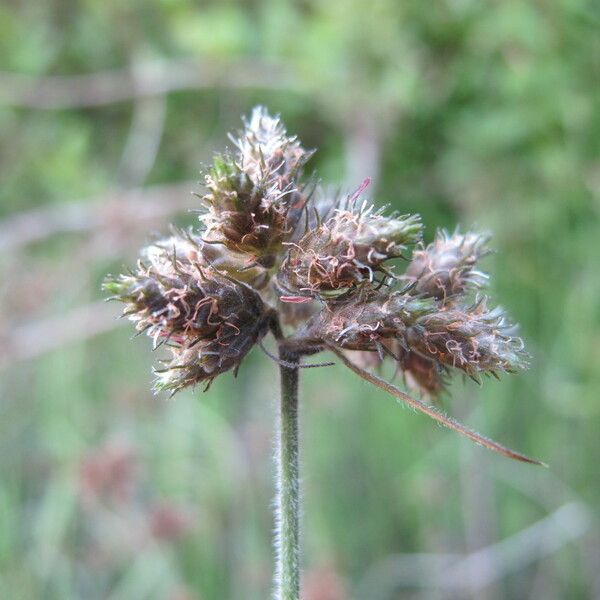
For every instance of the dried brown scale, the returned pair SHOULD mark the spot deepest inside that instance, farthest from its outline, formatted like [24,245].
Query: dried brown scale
[423,375]
[365,359]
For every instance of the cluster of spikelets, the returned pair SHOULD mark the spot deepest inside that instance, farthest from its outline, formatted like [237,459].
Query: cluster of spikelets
[273,247]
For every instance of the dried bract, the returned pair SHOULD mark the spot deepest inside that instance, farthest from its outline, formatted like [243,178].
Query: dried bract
[425,376]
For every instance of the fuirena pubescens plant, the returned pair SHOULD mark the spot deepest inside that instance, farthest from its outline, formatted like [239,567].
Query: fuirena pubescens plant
[276,253]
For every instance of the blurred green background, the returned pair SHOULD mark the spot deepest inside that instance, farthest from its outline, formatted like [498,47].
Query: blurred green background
[480,113]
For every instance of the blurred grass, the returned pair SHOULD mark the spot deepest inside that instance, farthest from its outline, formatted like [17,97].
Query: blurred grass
[483,114]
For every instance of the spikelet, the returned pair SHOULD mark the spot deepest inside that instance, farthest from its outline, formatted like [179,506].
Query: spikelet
[206,319]
[473,338]
[254,198]
[332,260]
[370,319]
[446,268]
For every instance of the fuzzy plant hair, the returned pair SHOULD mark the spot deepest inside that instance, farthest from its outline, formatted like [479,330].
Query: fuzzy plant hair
[276,252]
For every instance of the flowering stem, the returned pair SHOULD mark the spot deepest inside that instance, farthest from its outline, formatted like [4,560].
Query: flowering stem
[287,501]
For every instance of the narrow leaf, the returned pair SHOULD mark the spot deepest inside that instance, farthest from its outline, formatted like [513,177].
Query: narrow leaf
[432,412]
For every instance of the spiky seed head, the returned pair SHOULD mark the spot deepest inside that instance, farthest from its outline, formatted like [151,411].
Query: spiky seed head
[447,266]
[254,197]
[474,339]
[206,319]
[350,248]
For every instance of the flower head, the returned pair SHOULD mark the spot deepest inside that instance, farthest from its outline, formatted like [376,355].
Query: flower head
[446,267]
[351,247]
[474,339]
[254,197]
[208,320]
[424,336]
[273,252]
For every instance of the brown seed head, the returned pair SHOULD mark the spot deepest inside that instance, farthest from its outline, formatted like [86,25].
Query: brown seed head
[254,197]
[207,320]
[348,249]
[473,338]
[446,267]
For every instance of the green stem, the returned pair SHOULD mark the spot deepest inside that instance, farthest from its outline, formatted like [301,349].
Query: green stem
[287,501]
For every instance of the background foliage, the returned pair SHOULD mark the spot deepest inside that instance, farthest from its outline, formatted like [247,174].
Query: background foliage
[479,113]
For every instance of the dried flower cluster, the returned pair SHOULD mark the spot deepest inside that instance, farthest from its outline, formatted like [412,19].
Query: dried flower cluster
[265,243]
[273,249]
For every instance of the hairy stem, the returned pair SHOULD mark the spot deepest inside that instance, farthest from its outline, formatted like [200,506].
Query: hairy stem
[287,501]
